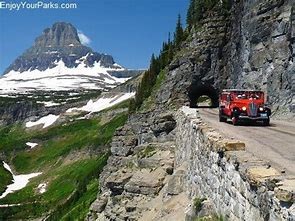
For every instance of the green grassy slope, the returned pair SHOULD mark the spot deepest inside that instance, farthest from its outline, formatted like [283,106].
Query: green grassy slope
[70,157]
[5,178]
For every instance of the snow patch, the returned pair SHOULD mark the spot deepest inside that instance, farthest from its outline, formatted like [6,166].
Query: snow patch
[42,187]
[10,205]
[32,145]
[5,95]
[103,103]
[46,121]
[19,181]
[81,118]
[61,78]
[84,57]
[51,52]
[118,66]
[48,103]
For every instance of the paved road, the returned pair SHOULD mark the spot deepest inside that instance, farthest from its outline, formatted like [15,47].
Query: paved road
[275,143]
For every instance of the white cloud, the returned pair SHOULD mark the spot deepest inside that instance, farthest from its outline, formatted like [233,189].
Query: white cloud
[83,38]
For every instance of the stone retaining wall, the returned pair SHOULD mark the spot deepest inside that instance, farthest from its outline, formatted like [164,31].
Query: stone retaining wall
[240,186]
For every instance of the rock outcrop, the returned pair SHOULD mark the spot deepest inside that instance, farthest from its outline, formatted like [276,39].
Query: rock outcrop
[139,173]
[251,47]
[11,111]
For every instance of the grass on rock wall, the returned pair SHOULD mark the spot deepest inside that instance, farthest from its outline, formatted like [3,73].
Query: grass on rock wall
[150,102]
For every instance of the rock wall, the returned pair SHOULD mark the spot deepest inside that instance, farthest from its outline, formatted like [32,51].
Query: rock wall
[250,47]
[240,186]
[261,49]
[12,111]
[138,176]
[31,107]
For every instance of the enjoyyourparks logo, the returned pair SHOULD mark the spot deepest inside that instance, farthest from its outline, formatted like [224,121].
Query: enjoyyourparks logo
[22,5]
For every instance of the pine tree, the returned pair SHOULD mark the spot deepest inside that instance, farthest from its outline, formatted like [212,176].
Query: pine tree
[190,14]
[170,49]
[199,8]
[169,38]
[132,105]
[163,58]
[178,34]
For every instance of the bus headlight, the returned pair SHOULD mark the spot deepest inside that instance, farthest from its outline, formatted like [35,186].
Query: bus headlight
[261,109]
[244,108]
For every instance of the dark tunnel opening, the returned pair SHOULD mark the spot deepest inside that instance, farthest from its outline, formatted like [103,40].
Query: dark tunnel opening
[201,90]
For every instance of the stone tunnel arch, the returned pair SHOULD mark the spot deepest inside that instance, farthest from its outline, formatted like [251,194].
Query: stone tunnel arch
[196,90]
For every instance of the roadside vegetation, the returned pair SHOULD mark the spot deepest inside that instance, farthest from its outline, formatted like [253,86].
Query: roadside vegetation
[198,205]
[214,217]
[204,100]
[198,10]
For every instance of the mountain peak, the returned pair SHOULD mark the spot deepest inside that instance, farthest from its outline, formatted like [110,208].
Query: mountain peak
[58,61]
[59,42]
[61,34]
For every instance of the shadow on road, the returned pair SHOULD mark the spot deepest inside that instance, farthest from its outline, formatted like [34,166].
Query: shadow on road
[252,123]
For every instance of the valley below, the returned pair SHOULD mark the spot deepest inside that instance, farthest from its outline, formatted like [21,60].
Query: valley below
[60,104]
[52,153]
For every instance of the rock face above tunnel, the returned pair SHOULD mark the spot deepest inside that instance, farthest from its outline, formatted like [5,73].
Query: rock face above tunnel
[252,47]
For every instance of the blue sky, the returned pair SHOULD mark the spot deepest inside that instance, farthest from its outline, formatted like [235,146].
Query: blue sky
[129,30]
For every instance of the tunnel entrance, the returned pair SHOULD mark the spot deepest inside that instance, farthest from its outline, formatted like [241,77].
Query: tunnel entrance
[202,95]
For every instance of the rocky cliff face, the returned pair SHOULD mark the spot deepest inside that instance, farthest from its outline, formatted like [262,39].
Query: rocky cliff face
[262,50]
[20,108]
[11,111]
[251,47]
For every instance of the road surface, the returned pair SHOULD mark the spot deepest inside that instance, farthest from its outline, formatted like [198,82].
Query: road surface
[274,143]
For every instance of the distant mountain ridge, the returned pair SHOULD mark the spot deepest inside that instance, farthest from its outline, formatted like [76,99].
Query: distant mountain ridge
[59,61]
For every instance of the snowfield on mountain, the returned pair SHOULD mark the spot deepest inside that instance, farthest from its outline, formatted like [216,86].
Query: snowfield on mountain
[58,61]
[61,78]
[103,103]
